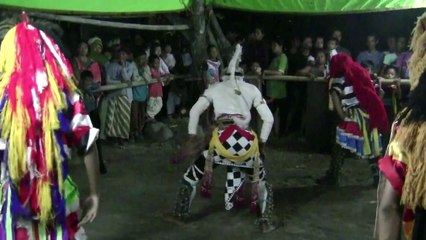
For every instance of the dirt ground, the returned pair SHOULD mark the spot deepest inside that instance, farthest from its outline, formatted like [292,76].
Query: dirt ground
[141,187]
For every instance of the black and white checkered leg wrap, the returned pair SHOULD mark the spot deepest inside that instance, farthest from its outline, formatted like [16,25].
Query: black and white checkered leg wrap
[235,179]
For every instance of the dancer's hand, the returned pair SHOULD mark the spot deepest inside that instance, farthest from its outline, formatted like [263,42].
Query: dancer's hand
[191,147]
[90,209]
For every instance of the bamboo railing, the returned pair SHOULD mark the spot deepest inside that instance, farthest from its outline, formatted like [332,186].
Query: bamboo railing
[259,79]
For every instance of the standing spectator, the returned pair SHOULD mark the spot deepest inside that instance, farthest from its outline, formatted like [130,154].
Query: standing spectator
[390,55]
[91,108]
[297,90]
[140,95]
[372,54]
[156,51]
[257,50]
[168,57]
[300,59]
[155,101]
[294,47]
[332,46]
[84,62]
[164,70]
[211,71]
[96,48]
[319,44]
[276,91]
[255,70]
[318,69]
[337,34]
[119,101]
[403,57]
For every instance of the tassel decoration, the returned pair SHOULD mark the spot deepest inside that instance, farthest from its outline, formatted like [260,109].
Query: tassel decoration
[34,87]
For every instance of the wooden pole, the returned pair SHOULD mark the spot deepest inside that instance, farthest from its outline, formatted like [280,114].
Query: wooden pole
[223,43]
[199,43]
[256,80]
[103,23]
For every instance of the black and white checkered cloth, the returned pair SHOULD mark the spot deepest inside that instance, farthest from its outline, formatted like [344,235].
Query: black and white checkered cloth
[235,179]
[236,144]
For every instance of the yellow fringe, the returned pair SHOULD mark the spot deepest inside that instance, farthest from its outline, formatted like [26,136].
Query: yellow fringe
[44,201]
[57,95]
[411,139]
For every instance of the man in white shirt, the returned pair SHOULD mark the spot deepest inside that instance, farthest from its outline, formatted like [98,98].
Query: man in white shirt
[233,144]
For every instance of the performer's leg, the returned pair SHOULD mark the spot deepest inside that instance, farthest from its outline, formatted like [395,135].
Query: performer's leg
[374,170]
[94,116]
[188,188]
[264,201]
[234,182]
[337,159]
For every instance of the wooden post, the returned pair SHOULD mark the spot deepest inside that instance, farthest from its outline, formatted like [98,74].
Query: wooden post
[223,43]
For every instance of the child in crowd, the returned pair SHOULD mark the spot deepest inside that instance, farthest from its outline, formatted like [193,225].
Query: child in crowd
[368,65]
[89,99]
[168,57]
[155,101]
[212,67]
[255,70]
[393,97]
[140,95]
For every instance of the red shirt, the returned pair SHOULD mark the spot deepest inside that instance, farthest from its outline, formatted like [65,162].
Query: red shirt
[155,89]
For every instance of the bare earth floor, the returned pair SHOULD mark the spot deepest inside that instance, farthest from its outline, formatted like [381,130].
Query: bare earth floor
[141,187]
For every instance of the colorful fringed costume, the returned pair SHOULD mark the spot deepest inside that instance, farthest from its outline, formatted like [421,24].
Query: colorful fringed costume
[403,166]
[364,111]
[232,145]
[42,117]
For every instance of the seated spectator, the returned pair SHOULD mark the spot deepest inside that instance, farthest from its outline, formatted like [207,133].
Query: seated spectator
[372,54]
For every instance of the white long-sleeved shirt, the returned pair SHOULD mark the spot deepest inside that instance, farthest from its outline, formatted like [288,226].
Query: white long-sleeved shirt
[226,102]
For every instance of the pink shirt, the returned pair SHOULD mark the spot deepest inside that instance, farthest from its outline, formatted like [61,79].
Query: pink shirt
[155,89]
[93,67]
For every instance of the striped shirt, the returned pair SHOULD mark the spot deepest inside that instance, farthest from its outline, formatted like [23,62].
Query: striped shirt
[346,93]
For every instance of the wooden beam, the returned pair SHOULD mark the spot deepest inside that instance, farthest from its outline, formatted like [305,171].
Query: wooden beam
[103,23]
[175,18]
[254,79]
